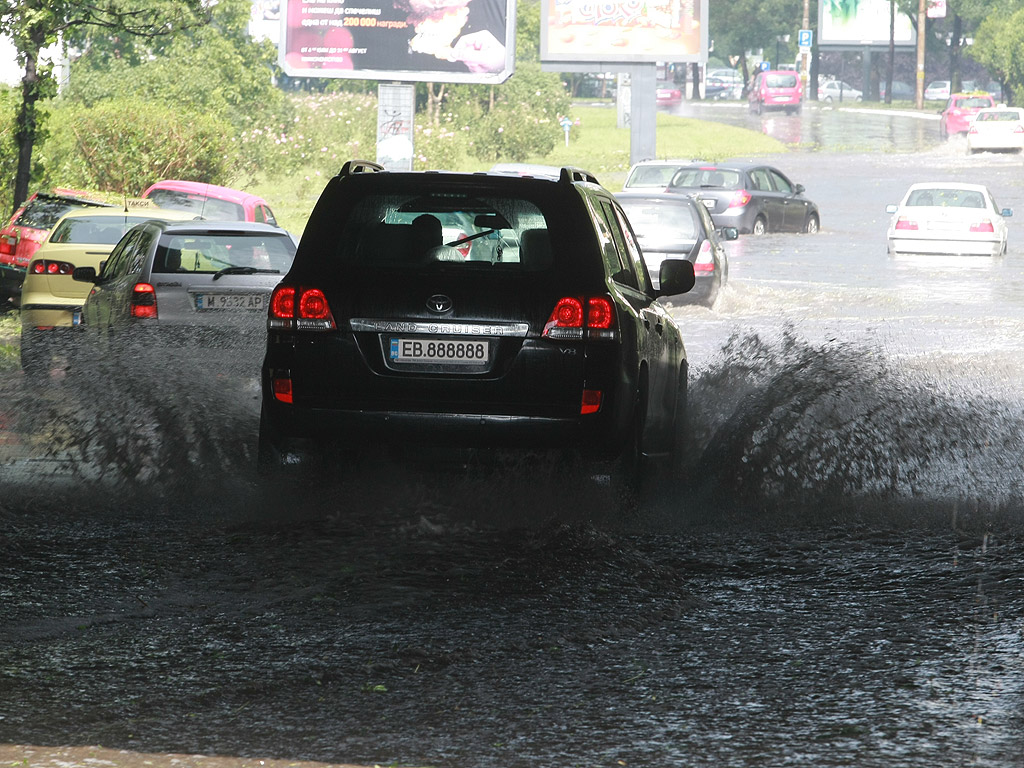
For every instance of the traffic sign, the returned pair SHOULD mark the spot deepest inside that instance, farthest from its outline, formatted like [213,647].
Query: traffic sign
[804,38]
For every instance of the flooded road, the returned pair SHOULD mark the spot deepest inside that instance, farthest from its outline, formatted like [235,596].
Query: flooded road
[840,584]
[846,127]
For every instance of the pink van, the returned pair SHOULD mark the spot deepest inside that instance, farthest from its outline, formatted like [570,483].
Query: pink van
[776,89]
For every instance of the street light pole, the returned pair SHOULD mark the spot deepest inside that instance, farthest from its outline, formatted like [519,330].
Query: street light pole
[919,95]
[805,73]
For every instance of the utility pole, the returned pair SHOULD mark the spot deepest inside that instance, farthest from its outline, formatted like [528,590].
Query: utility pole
[920,53]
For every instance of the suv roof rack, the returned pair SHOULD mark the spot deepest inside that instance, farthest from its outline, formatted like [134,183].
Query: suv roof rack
[360,166]
[568,175]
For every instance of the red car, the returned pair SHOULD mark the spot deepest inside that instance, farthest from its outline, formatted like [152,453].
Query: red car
[667,94]
[960,110]
[27,229]
[210,201]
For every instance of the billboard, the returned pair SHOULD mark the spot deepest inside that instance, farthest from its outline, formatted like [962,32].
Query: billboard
[630,31]
[441,41]
[858,23]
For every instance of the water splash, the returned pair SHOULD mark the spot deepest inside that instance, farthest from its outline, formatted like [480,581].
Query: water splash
[782,422]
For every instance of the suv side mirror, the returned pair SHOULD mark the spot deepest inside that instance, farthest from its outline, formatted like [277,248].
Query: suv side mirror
[676,277]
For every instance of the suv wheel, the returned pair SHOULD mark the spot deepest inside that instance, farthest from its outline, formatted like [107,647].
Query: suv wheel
[636,475]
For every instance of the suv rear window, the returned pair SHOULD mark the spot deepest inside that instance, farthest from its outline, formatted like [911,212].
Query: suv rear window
[412,231]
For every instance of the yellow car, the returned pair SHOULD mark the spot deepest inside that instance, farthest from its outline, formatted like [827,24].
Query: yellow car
[51,300]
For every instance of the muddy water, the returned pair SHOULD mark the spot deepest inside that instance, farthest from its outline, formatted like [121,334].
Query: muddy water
[840,582]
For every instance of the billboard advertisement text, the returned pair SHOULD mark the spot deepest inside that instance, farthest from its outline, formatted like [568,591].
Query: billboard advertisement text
[457,41]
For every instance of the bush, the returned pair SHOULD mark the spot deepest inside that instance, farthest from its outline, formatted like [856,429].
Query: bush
[438,147]
[124,146]
[326,130]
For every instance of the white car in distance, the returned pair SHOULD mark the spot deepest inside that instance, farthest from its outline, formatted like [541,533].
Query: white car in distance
[947,218]
[996,129]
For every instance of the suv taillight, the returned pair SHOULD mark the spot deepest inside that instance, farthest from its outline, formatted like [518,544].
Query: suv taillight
[299,309]
[143,301]
[569,321]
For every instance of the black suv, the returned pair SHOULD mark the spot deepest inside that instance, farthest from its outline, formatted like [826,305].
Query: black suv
[433,311]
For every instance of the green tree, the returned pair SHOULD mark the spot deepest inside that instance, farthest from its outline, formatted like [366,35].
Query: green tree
[999,47]
[215,69]
[34,25]
[742,26]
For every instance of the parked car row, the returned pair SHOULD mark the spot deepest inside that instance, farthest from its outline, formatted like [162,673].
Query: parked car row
[222,254]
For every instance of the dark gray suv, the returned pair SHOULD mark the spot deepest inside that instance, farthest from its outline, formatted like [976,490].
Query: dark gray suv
[536,328]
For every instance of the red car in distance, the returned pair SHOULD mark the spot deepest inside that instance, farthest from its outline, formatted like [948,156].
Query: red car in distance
[27,229]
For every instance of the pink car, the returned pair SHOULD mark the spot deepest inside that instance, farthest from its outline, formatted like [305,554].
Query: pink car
[776,89]
[960,110]
[210,201]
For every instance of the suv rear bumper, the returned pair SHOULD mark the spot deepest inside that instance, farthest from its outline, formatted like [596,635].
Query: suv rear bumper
[293,426]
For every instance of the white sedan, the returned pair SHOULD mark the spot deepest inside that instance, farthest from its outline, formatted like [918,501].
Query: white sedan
[837,90]
[999,128]
[948,218]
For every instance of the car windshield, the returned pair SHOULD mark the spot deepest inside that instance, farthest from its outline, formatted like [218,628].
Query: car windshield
[211,252]
[951,198]
[661,220]
[414,231]
[95,230]
[210,208]
[43,213]
[706,178]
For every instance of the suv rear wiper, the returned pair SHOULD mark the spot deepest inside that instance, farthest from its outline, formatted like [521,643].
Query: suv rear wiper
[246,271]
